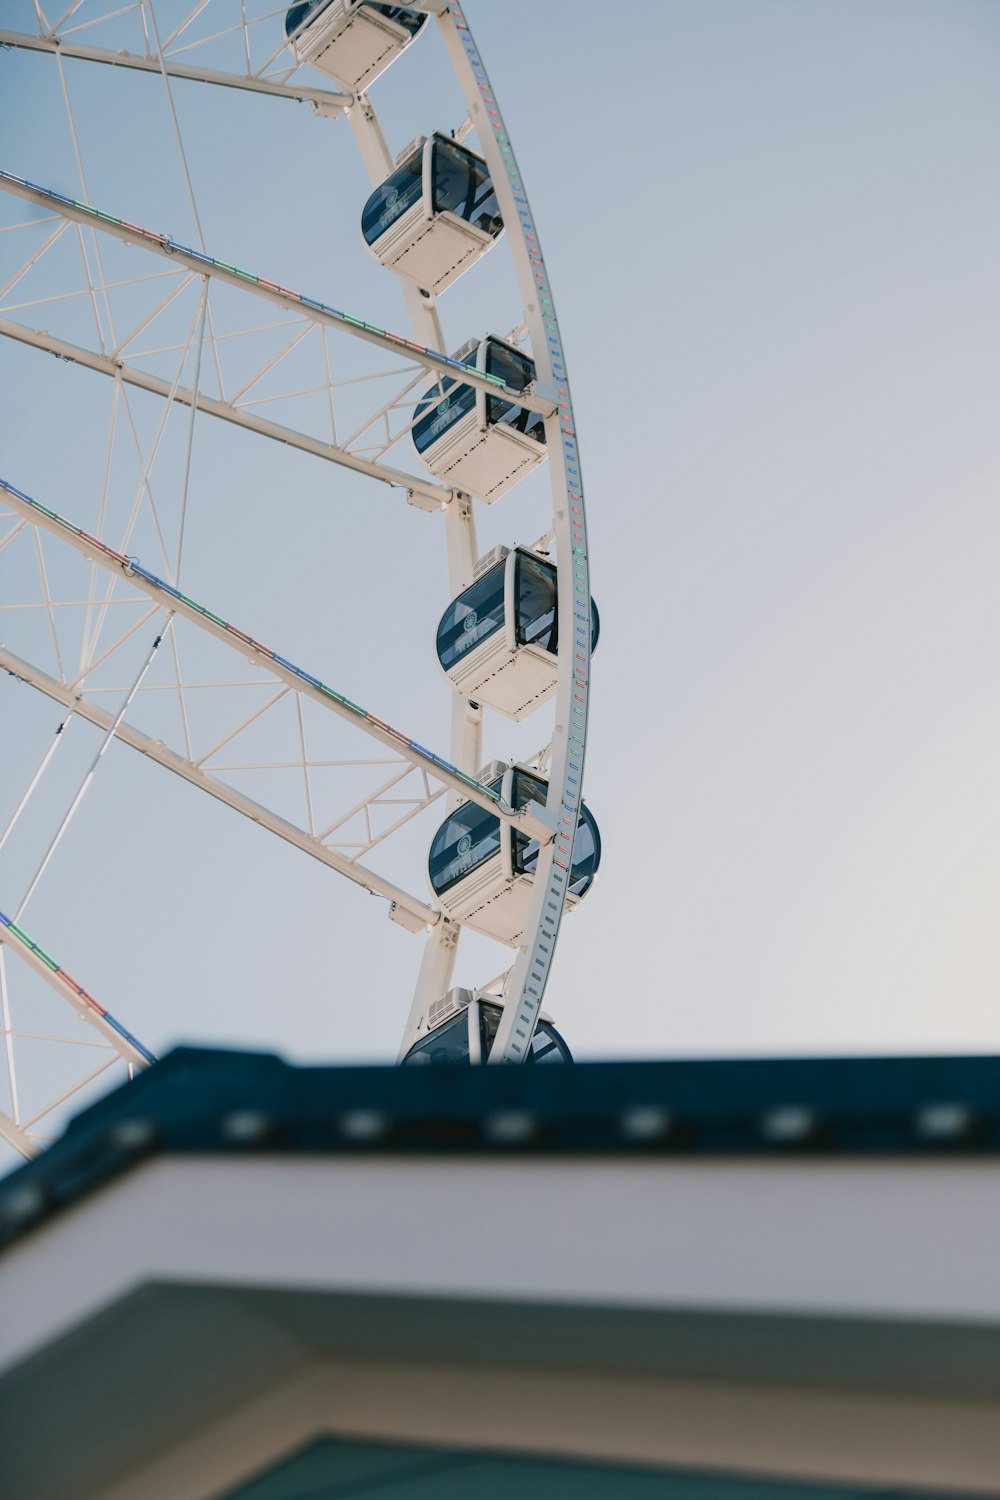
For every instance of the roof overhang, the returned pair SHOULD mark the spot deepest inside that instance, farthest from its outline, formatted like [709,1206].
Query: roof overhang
[823,1314]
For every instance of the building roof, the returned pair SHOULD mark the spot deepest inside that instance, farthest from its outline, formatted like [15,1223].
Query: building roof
[770,1268]
[203,1101]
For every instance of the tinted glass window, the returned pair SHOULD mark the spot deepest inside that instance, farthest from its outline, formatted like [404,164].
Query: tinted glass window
[510,364]
[489,1020]
[525,850]
[547,1046]
[441,411]
[473,616]
[537,612]
[535,589]
[411,19]
[527,788]
[448,1044]
[462,186]
[398,193]
[299,14]
[518,371]
[586,849]
[441,408]
[470,836]
[586,855]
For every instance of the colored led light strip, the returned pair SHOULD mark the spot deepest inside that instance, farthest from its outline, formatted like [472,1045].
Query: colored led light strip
[131,567]
[77,989]
[167,243]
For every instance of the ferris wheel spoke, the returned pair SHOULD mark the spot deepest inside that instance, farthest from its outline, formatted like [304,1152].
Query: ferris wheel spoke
[433,495]
[433,360]
[327,101]
[418,911]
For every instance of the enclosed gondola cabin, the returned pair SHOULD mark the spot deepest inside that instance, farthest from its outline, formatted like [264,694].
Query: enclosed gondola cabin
[435,215]
[351,40]
[468,1034]
[498,642]
[482,870]
[480,442]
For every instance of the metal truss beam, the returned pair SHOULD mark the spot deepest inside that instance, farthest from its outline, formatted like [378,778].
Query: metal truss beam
[532,821]
[156,751]
[85,1005]
[38,338]
[325,101]
[433,360]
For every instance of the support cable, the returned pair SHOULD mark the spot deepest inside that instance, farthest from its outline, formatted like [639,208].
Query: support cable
[19,809]
[84,785]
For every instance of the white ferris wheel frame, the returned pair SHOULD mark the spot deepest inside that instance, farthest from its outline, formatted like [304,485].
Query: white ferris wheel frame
[554,825]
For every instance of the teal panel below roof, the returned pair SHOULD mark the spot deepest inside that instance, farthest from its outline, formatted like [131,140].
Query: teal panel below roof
[332,1468]
[335,1469]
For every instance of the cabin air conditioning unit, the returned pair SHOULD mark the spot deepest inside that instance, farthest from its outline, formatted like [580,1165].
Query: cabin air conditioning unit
[492,771]
[449,1005]
[489,560]
[410,149]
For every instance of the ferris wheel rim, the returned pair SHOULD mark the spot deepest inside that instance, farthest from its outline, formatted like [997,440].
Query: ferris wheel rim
[565,782]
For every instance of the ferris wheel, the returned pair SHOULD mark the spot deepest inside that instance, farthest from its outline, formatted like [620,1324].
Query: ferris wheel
[460,429]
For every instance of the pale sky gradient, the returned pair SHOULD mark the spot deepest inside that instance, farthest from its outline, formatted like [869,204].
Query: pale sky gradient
[773,230]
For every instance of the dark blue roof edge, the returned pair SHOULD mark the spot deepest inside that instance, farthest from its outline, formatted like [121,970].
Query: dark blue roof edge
[201,1100]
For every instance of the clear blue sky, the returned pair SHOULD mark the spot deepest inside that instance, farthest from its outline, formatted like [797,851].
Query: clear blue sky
[773,232]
